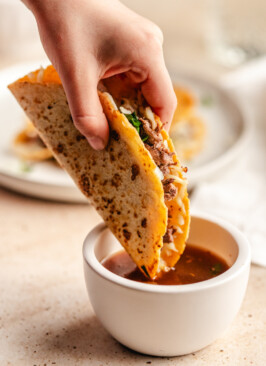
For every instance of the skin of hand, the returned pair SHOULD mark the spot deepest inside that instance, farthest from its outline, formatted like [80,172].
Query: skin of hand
[88,40]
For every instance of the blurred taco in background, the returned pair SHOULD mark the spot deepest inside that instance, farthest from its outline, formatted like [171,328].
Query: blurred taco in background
[28,145]
[136,183]
[188,130]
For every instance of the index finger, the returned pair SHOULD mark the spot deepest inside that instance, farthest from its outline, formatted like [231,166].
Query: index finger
[159,93]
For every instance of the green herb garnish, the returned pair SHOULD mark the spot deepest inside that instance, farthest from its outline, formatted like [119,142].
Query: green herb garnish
[133,119]
[216,269]
[145,138]
[145,271]
[25,167]
[207,100]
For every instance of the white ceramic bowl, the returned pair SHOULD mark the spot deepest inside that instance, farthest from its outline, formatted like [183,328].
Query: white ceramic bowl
[169,320]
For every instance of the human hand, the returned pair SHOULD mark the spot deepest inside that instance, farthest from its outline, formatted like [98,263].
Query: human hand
[88,40]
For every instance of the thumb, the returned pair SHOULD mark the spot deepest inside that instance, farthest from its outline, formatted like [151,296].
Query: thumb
[85,106]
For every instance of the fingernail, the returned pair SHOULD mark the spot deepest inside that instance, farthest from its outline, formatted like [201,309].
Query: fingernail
[96,143]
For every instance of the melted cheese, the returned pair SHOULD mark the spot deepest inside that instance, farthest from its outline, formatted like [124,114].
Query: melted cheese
[149,114]
[40,75]
[159,173]
[180,220]
[177,179]
[170,246]
[111,100]
[178,229]
[125,110]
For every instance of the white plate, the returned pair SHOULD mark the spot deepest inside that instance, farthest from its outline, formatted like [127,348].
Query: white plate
[44,180]
[227,129]
[226,139]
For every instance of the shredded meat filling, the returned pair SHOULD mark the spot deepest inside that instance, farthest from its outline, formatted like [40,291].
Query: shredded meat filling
[154,135]
[170,190]
[168,236]
[163,158]
[161,155]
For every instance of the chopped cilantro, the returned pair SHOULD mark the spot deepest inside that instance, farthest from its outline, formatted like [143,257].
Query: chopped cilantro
[133,119]
[25,167]
[145,138]
[216,269]
[145,271]
[207,100]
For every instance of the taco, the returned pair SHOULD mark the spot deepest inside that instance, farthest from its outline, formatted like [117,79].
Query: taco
[28,145]
[188,136]
[188,130]
[186,102]
[136,183]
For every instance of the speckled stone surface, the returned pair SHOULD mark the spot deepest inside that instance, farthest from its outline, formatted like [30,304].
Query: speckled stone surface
[45,314]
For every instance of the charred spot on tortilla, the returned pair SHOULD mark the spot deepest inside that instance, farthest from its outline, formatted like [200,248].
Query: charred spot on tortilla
[112,157]
[116,180]
[114,135]
[60,148]
[144,223]
[79,137]
[134,171]
[139,169]
[85,184]
[127,234]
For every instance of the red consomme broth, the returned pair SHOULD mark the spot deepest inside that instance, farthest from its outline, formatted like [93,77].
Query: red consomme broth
[195,265]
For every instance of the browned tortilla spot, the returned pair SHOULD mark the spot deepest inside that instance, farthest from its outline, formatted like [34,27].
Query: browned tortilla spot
[85,184]
[80,137]
[144,222]
[134,171]
[114,135]
[59,148]
[127,234]
[116,180]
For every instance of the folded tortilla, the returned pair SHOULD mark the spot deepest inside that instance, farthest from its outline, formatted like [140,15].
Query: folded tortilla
[136,184]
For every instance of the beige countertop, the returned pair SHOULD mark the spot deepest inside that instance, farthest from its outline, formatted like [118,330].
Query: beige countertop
[46,317]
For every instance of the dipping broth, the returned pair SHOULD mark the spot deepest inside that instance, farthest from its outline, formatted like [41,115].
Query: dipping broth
[195,265]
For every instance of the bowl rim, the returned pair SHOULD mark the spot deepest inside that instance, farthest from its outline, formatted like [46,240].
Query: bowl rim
[242,261]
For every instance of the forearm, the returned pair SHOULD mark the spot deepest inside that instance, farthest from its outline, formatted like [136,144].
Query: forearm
[33,5]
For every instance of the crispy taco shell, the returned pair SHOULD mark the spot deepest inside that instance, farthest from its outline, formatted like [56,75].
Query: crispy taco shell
[121,181]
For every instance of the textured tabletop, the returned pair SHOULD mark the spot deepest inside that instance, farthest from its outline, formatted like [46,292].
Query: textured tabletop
[45,314]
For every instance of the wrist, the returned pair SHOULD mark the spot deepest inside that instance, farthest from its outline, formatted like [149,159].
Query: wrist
[39,6]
